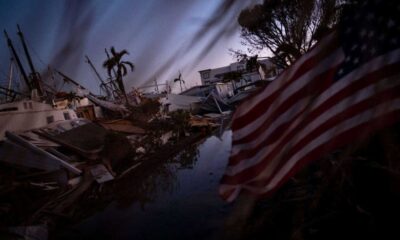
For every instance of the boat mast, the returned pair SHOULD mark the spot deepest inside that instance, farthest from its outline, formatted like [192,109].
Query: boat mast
[34,75]
[115,88]
[10,94]
[10,74]
[94,69]
[70,80]
[103,84]
[21,68]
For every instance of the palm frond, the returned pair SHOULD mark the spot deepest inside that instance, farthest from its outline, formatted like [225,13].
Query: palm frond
[123,69]
[113,52]
[107,63]
[123,52]
[129,64]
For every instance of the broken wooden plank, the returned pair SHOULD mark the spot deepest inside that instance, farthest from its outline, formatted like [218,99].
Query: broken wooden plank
[19,140]
[124,128]
[59,154]
[129,169]
[37,140]
[17,155]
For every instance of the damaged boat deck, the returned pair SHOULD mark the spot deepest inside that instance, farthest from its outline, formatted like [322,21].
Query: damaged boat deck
[55,170]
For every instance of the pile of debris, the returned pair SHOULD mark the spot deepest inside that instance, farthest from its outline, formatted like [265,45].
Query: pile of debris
[46,172]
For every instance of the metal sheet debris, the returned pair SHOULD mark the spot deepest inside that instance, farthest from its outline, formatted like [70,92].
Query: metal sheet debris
[100,173]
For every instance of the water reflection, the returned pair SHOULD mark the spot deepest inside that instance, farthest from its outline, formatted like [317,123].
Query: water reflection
[144,187]
[187,158]
[158,178]
[176,200]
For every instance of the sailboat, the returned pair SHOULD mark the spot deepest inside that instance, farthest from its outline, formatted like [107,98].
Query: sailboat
[28,114]
[30,111]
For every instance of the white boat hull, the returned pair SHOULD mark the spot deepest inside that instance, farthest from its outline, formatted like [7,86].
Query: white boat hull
[184,102]
[27,115]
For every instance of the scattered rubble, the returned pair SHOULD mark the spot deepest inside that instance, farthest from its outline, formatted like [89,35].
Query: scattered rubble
[55,167]
[58,149]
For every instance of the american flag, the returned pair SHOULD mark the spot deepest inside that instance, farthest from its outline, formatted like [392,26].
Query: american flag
[346,87]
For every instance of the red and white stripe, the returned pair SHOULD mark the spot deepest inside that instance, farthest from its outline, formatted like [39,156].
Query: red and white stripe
[304,114]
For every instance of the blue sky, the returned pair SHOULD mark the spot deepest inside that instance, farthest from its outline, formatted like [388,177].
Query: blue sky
[158,34]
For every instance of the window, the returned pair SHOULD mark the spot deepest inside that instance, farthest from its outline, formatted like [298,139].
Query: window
[205,75]
[30,105]
[67,116]
[25,105]
[50,119]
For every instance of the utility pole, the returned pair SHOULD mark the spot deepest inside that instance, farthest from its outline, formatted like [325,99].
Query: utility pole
[180,80]
[155,81]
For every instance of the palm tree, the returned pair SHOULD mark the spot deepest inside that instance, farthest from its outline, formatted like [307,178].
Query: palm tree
[115,61]
[180,80]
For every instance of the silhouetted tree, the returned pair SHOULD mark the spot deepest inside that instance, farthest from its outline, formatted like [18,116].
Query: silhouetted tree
[115,61]
[180,80]
[252,63]
[288,28]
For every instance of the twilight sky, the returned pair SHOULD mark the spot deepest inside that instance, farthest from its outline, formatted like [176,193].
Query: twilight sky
[162,36]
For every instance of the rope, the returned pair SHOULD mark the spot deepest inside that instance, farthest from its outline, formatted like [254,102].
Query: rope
[35,53]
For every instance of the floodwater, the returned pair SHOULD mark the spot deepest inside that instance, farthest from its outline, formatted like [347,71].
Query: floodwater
[178,200]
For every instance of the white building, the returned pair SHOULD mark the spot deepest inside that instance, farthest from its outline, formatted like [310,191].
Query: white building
[237,71]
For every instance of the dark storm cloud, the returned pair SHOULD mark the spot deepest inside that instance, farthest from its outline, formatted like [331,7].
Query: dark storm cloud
[221,24]
[72,36]
[163,37]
